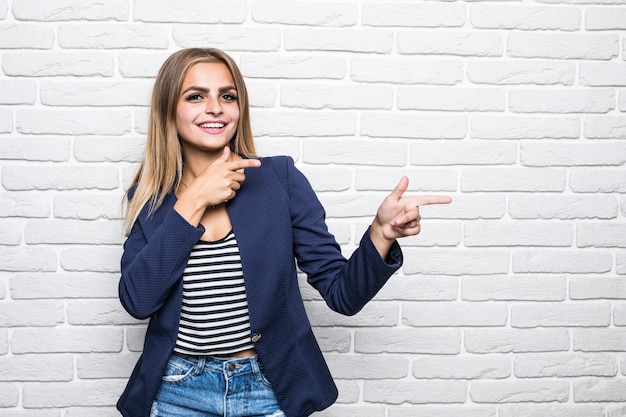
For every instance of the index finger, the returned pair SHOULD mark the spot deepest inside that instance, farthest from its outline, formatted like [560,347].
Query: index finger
[244,163]
[424,200]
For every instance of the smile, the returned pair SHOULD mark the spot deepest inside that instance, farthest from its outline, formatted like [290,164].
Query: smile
[212,125]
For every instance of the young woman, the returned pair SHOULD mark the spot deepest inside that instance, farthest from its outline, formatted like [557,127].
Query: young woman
[214,234]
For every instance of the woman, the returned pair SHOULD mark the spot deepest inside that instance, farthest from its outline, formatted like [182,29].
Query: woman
[213,239]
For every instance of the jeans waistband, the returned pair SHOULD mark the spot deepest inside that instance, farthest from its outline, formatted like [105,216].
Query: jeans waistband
[228,366]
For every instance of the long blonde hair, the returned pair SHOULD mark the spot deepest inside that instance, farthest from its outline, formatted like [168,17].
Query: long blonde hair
[161,166]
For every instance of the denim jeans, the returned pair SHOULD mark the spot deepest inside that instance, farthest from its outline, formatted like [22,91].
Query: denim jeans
[215,387]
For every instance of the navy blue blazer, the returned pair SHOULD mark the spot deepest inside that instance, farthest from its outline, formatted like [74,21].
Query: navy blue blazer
[277,220]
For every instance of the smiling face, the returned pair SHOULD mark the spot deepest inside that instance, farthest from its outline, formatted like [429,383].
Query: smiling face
[207,112]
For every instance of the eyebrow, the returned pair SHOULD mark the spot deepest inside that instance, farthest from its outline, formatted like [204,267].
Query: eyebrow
[206,90]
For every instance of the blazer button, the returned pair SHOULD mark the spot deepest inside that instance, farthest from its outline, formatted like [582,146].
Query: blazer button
[256,337]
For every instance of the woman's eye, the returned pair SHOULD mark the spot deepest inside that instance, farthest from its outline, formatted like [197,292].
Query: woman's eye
[229,97]
[194,97]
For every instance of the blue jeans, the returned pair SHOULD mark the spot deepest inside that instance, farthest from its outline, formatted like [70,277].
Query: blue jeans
[215,387]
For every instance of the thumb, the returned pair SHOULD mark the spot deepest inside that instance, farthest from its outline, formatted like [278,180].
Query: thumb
[402,186]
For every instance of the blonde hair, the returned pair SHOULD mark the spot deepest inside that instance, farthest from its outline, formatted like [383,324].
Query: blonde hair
[161,166]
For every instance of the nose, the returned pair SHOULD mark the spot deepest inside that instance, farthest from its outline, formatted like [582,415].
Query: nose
[213,106]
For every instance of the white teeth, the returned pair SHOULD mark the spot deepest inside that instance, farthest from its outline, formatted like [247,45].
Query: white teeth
[212,125]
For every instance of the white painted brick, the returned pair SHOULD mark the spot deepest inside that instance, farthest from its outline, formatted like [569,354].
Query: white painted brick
[22,204]
[434,233]
[59,178]
[352,40]
[74,122]
[517,127]
[195,11]
[599,389]
[368,366]
[562,46]
[451,99]
[415,392]
[419,179]
[475,152]
[563,207]
[597,180]
[112,36]
[515,72]
[9,395]
[24,36]
[303,123]
[293,66]
[588,288]
[228,38]
[519,233]
[522,288]
[554,410]
[94,149]
[91,412]
[140,65]
[442,411]
[605,18]
[105,365]
[96,259]
[466,262]
[373,314]
[333,340]
[261,94]
[141,121]
[568,154]
[454,314]
[516,340]
[416,288]
[98,312]
[513,179]
[423,341]
[107,93]
[343,410]
[620,263]
[406,70]
[311,13]
[66,340]
[85,232]
[16,259]
[35,149]
[413,125]
[31,313]
[65,285]
[135,337]
[473,207]
[561,101]
[561,315]
[10,233]
[459,43]
[616,411]
[328,178]
[569,261]
[4,8]
[619,314]
[604,74]
[349,391]
[413,15]
[622,100]
[519,391]
[18,92]
[605,127]
[329,96]
[52,11]
[73,394]
[505,16]
[601,235]
[77,206]
[462,367]
[6,121]
[36,368]
[57,64]
[599,340]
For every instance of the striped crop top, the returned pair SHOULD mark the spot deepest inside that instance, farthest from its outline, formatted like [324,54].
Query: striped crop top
[214,318]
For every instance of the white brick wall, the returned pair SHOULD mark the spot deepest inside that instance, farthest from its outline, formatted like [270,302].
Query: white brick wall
[511,303]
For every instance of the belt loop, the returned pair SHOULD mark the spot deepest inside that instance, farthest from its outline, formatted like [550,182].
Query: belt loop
[256,369]
[199,367]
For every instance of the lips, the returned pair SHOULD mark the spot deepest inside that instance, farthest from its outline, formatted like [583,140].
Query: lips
[212,125]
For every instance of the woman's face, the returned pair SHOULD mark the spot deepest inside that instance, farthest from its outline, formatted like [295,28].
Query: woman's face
[207,112]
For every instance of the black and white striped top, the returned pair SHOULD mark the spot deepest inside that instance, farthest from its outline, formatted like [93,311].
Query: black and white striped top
[214,318]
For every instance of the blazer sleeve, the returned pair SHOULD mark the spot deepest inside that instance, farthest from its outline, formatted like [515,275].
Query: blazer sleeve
[152,263]
[345,284]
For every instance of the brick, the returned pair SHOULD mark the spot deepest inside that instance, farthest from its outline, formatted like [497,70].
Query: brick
[98,312]
[72,394]
[65,177]
[303,123]
[6,121]
[605,127]
[75,122]
[620,263]
[35,149]
[590,288]
[333,340]
[527,127]
[605,18]
[373,314]
[140,65]
[107,93]
[328,178]
[453,314]
[604,74]
[519,72]
[542,410]
[597,180]
[413,15]
[519,288]
[31,313]
[422,341]
[514,17]
[310,13]
[54,11]
[195,11]
[463,153]
[17,259]
[293,66]
[135,338]
[519,233]
[469,262]
[382,153]
[433,233]
[124,149]
[456,367]
[9,395]
[599,340]
[578,154]
[18,92]
[92,412]
[406,70]
[601,235]
[84,232]
[519,391]
[563,46]
[563,207]
[551,261]
[368,367]
[96,259]
[97,206]
[24,204]
[452,43]
[342,410]
[413,125]
[561,315]
[237,38]
[419,179]
[343,97]
[560,101]
[57,64]
[513,179]
[64,285]
[261,94]
[350,40]
[4,8]
[619,314]
[451,99]
[599,389]
[420,288]
[622,100]
[10,233]
[516,340]
[443,411]
[100,366]
[112,37]
[66,340]
[415,392]
[36,368]
[26,36]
